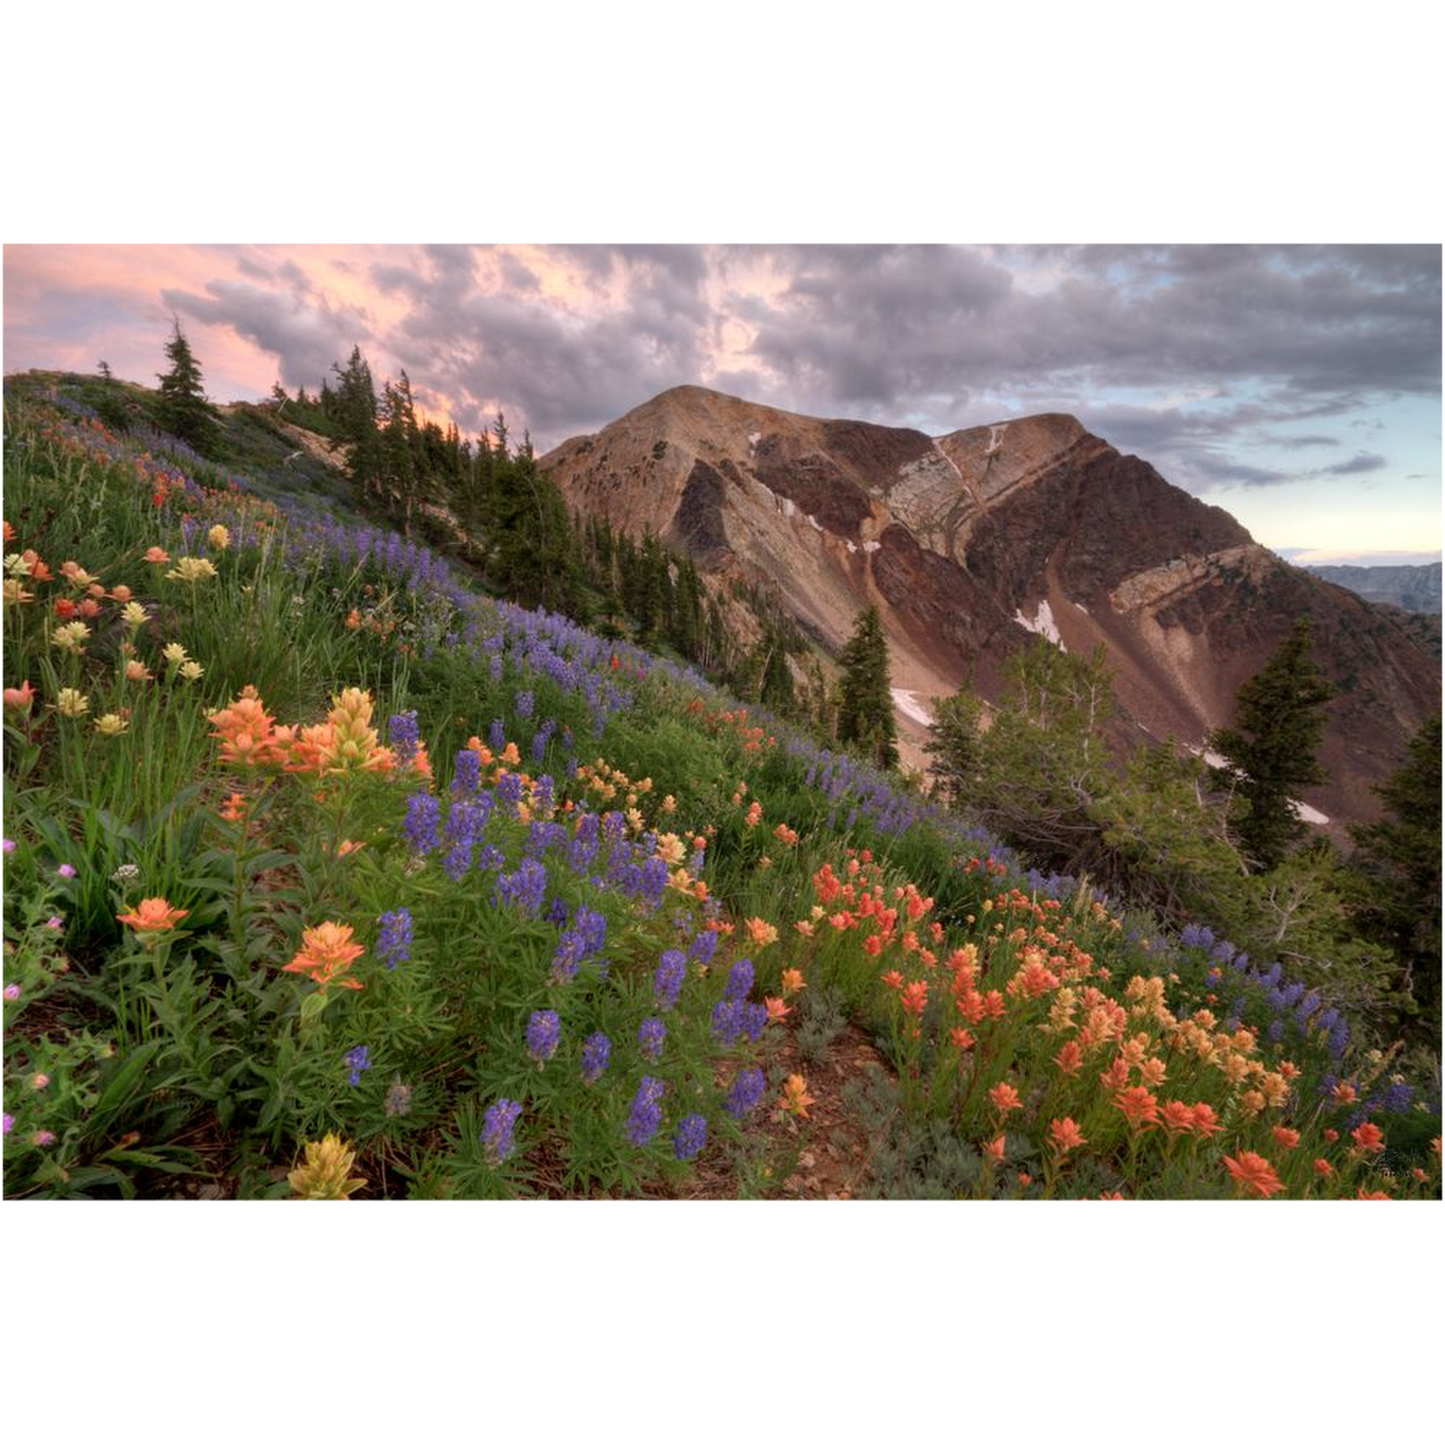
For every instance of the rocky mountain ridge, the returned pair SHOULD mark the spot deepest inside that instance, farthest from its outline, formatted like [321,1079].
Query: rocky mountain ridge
[971,541]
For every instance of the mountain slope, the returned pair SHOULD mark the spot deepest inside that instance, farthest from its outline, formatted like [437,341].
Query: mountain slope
[1416,589]
[970,542]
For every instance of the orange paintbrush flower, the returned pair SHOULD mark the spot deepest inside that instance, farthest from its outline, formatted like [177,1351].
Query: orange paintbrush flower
[1324,1168]
[761,932]
[994,1150]
[1255,1173]
[158,555]
[915,997]
[961,1038]
[1176,1117]
[152,915]
[245,731]
[795,1097]
[777,1010]
[1004,1097]
[1371,1193]
[326,953]
[1116,1075]
[1369,1138]
[235,808]
[1064,1135]
[1286,1138]
[1138,1106]
[793,981]
[1344,1093]
[1070,1058]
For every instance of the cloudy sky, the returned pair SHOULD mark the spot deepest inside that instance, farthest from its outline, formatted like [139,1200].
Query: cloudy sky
[1299,387]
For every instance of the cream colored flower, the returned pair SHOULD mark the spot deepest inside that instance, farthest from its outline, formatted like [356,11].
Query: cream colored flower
[192,671]
[134,614]
[111,725]
[192,570]
[219,537]
[69,702]
[70,637]
[174,653]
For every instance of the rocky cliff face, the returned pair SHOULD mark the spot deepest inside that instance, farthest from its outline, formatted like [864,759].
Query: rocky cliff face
[1416,589]
[970,542]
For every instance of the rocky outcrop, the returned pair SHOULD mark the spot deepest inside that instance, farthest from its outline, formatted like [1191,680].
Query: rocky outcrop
[971,542]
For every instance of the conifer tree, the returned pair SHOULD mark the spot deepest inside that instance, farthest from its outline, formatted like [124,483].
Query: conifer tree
[865,704]
[184,410]
[1400,856]
[1272,747]
[953,744]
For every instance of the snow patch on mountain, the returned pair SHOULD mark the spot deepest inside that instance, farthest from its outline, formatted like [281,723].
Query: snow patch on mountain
[1043,623]
[907,702]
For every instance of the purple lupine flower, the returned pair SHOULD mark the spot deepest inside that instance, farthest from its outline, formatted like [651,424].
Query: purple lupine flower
[557,912]
[509,790]
[490,857]
[691,1135]
[746,1093]
[359,1059]
[497,734]
[753,1020]
[522,705]
[544,1030]
[497,1126]
[467,775]
[494,667]
[423,819]
[393,943]
[544,794]
[596,1053]
[703,946]
[405,736]
[526,887]
[740,979]
[727,1021]
[646,1115]
[651,1036]
[667,981]
[565,961]
[654,881]
[593,928]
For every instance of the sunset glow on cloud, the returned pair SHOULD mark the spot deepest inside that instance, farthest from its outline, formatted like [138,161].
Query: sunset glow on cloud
[1299,387]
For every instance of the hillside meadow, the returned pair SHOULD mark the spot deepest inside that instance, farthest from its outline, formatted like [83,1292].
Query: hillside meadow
[329,876]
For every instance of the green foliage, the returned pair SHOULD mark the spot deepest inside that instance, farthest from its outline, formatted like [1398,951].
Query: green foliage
[865,704]
[1272,748]
[183,408]
[953,744]
[1398,863]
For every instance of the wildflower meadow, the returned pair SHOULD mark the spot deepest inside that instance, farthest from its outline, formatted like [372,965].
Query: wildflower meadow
[328,876]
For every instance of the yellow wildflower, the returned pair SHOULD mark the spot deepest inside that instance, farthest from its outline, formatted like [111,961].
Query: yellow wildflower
[111,725]
[192,570]
[192,671]
[219,537]
[324,1173]
[134,614]
[71,703]
[70,637]
[174,653]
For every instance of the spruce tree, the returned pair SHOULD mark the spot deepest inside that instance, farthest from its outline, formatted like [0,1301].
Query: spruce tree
[1400,857]
[953,744]
[183,410]
[865,704]
[1272,748]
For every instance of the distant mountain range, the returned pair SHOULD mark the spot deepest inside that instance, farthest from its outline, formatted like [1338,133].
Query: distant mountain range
[1416,589]
[973,542]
